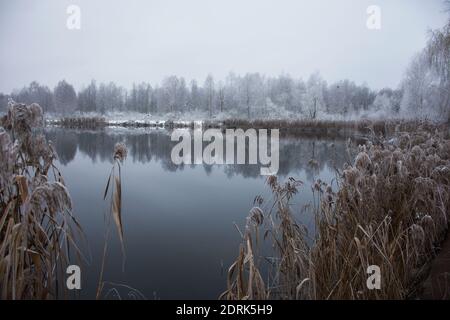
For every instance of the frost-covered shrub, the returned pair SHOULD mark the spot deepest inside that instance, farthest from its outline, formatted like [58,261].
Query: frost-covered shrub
[390,208]
[36,219]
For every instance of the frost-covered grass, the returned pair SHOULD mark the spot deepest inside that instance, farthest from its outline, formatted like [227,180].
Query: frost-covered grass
[258,114]
[38,232]
[390,209]
[132,118]
[323,124]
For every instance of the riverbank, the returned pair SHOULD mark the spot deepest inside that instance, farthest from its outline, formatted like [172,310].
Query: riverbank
[363,127]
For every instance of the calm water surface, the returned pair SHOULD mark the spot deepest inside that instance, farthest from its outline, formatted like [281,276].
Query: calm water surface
[178,220]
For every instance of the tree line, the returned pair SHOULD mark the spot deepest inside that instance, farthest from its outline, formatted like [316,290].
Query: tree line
[252,94]
[424,91]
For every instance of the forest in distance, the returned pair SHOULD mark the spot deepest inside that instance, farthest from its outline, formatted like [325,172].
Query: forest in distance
[423,92]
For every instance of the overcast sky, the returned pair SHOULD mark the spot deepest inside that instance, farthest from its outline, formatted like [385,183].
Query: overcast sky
[146,40]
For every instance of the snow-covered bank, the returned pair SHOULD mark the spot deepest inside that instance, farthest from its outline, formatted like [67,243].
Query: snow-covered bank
[129,119]
[187,119]
[344,126]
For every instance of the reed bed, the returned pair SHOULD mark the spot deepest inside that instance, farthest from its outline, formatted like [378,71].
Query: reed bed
[38,232]
[390,209]
[82,122]
[363,126]
[304,127]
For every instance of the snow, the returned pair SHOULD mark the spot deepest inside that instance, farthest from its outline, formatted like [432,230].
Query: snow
[268,112]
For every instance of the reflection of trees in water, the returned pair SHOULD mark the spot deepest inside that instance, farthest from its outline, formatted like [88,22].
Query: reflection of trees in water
[65,143]
[295,153]
[98,145]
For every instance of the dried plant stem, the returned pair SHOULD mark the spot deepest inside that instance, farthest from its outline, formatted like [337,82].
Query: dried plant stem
[391,209]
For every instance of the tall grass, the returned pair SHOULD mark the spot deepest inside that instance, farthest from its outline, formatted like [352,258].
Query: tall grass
[390,209]
[286,126]
[305,126]
[108,289]
[37,229]
[82,122]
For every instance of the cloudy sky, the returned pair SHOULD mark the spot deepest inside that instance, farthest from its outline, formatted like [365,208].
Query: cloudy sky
[146,40]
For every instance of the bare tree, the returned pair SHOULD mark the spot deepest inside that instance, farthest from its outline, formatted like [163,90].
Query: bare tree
[209,87]
[221,95]
[65,97]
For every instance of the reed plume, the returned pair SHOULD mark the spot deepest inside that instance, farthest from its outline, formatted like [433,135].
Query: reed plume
[390,209]
[38,232]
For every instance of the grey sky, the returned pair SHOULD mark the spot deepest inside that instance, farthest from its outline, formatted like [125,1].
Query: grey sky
[134,41]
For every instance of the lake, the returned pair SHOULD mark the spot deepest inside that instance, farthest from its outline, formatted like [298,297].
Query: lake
[178,220]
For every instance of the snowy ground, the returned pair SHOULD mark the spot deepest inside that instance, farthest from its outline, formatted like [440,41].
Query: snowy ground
[186,118]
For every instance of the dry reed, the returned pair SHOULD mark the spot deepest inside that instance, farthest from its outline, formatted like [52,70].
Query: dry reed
[37,229]
[391,209]
[114,184]
[82,122]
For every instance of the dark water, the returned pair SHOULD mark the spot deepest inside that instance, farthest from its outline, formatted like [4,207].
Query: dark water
[178,220]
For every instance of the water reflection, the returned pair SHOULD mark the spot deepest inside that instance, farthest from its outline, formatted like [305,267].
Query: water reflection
[178,220]
[308,154]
